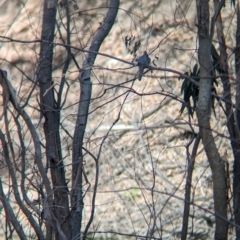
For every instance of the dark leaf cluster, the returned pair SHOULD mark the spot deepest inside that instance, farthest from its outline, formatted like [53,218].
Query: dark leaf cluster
[190,91]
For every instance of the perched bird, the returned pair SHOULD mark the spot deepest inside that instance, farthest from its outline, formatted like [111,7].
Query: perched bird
[143,62]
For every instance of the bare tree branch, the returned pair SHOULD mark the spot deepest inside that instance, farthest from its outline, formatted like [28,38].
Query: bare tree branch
[27,213]
[10,214]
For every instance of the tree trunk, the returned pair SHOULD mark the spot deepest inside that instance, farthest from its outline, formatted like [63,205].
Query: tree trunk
[203,114]
[60,210]
[85,96]
[188,186]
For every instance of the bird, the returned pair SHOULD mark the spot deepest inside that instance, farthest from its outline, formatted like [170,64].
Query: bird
[143,62]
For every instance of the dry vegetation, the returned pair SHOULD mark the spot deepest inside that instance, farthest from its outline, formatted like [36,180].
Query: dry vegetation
[142,165]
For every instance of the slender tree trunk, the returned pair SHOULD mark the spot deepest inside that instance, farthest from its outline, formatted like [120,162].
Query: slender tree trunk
[60,210]
[203,114]
[232,128]
[188,186]
[85,96]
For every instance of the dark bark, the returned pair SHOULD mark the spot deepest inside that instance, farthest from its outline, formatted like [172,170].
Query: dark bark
[51,115]
[85,96]
[9,91]
[10,214]
[203,114]
[236,143]
[224,69]
[232,129]
[17,196]
[188,186]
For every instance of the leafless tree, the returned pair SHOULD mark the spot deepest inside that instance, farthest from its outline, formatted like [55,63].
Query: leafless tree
[61,220]
[92,153]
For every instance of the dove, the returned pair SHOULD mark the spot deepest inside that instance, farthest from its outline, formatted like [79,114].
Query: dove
[143,62]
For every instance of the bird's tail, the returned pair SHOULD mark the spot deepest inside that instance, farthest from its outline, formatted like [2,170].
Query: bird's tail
[140,73]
